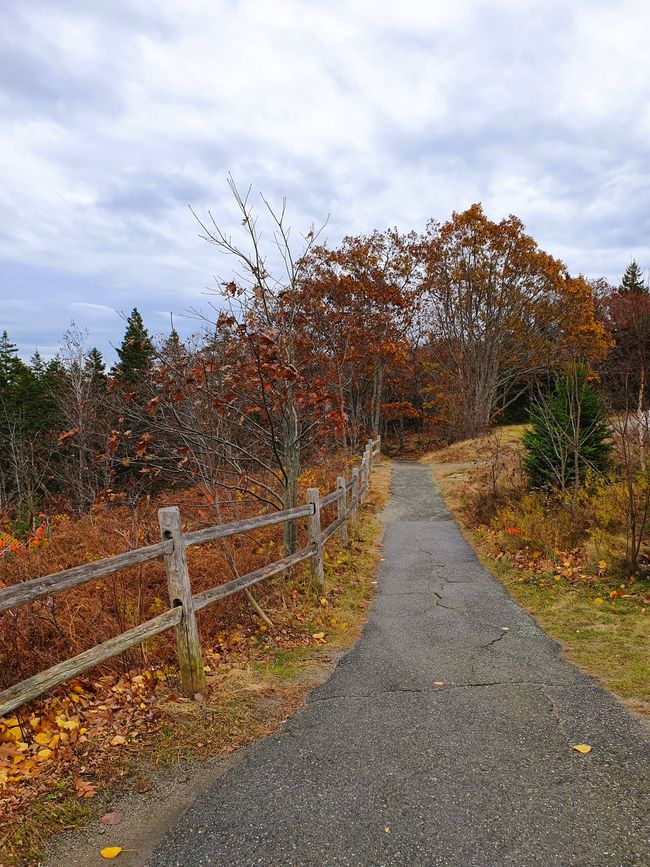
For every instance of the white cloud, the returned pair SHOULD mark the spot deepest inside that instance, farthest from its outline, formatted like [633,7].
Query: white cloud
[119,113]
[92,311]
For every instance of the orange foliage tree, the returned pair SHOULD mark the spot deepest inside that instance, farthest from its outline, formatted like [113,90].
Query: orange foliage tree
[500,313]
[359,303]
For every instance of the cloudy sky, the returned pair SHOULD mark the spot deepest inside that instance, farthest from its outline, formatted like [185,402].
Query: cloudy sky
[117,114]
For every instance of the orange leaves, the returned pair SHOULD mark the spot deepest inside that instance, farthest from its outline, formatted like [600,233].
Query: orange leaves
[152,405]
[66,436]
[84,789]
[143,444]
[46,749]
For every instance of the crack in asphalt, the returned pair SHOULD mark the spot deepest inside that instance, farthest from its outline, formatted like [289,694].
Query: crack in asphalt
[440,690]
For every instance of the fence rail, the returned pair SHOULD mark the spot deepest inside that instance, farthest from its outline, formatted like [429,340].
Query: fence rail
[183,605]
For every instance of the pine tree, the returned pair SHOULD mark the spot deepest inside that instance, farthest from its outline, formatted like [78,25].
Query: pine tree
[10,364]
[135,352]
[632,282]
[569,435]
[95,365]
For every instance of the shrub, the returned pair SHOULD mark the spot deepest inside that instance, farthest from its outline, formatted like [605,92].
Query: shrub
[569,437]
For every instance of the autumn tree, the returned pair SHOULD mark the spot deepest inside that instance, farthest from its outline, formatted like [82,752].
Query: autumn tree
[500,313]
[626,313]
[238,407]
[359,300]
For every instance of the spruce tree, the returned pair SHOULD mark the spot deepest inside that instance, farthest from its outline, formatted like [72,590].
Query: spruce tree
[95,365]
[632,282]
[568,436]
[10,364]
[135,352]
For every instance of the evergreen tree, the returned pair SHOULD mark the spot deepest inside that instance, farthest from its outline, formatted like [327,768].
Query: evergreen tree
[10,364]
[569,435]
[632,282]
[95,365]
[135,352]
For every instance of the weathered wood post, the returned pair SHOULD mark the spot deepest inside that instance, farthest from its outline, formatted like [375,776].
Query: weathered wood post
[313,498]
[367,466]
[378,448]
[369,449]
[341,509]
[188,644]
[354,493]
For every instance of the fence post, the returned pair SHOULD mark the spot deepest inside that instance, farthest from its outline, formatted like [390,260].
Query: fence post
[367,466]
[313,498]
[378,448]
[354,493]
[369,448]
[188,644]
[342,507]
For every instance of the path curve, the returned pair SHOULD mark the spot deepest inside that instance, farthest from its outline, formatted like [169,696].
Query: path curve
[382,767]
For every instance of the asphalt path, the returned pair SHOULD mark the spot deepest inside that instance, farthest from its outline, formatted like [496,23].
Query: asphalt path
[384,767]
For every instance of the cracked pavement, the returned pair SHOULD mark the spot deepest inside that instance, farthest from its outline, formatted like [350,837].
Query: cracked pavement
[382,767]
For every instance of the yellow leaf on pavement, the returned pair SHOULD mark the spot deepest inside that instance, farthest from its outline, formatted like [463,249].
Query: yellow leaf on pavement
[110,852]
[582,748]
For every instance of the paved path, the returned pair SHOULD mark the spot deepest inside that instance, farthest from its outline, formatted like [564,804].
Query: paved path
[477,772]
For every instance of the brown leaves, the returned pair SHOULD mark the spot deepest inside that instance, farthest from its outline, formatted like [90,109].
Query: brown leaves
[39,753]
[152,405]
[84,789]
[66,436]
[110,819]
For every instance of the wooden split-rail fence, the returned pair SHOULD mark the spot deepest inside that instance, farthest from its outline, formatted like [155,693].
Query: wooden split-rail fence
[347,496]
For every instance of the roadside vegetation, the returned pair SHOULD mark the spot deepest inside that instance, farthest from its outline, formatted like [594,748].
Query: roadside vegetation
[565,558]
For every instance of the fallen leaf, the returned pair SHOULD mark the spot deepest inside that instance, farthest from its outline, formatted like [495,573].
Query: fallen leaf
[505,629]
[438,683]
[598,600]
[582,748]
[318,635]
[82,789]
[111,819]
[118,740]
[110,852]
[387,829]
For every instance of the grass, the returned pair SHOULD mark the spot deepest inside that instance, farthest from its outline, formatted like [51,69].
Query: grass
[606,637]
[252,687]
